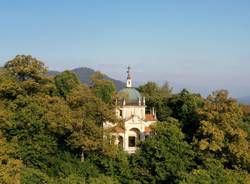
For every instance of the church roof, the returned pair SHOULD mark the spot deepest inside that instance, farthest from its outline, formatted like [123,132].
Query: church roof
[150,117]
[131,96]
[119,129]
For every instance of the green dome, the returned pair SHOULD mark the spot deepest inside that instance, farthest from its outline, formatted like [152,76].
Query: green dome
[131,96]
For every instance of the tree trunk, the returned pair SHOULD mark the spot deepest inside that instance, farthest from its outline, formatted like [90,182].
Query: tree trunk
[82,155]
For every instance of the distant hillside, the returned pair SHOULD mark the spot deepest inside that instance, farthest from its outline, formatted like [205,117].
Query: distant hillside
[84,74]
[53,73]
[244,100]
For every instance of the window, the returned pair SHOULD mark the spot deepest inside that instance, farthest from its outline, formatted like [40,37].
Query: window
[131,141]
[120,112]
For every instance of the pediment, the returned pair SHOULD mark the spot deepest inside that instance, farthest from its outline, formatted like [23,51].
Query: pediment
[133,120]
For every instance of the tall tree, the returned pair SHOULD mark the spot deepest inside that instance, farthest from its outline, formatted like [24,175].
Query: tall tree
[164,156]
[102,88]
[184,107]
[89,114]
[65,82]
[26,67]
[219,132]
[29,74]
[157,97]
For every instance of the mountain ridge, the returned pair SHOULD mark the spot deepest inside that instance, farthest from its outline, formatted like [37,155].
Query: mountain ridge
[244,100]
[84,74]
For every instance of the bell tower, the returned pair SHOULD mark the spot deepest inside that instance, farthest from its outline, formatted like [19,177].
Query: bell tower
[129,79]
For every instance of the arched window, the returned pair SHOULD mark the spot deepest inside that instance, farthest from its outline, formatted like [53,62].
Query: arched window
[134,135]
[131,141]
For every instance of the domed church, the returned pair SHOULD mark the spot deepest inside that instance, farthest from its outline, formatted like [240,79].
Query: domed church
[130,108]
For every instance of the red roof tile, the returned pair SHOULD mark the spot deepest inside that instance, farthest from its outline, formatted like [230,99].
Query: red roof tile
[119,130]
[150,117]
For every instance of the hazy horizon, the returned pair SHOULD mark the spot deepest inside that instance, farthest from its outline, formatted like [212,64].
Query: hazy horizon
[199,45]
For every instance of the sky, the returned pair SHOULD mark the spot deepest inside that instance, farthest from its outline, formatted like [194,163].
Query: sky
[199,45]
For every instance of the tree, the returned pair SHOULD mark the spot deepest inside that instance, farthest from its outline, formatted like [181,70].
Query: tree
[219,134]
[65,82]
[29,74]
[82,100]
[164,156]
[9,87]
[103,180]
[212,171]
[102,88]
[89,114]
[116,165]
[25,67]
[245,125]
[9,167]
[184,107]
[31,176]
[44,132]
[88,138]
[157,97]
[166,90]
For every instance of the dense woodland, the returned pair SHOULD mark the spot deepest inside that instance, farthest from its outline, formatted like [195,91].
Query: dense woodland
[51,132]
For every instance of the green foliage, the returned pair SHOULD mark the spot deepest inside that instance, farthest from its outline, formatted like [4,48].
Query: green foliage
[219,133]
[116,165]
[89,114]
[26,75]
[245,124]
[89,137]
[9,88]
[157,97]
[51,132]
[103,180]
[34,176]
[9,167]
[213,172]
[184,107]
[71,179]
[65,82]
[165,156]
[66,165]
[81,99]
[102,88]
[25,67]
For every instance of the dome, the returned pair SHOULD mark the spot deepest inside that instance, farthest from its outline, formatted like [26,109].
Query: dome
[131,96]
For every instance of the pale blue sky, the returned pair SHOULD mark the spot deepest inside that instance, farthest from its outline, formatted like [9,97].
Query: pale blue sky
[200,45]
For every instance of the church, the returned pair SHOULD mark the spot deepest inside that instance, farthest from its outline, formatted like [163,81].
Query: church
[131,110]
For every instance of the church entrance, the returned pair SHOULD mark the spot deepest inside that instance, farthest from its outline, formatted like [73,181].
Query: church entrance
[134,136]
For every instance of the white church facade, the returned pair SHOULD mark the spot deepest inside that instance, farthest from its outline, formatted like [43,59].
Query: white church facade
[131,110]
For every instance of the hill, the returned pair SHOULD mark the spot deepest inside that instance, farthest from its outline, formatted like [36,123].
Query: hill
[244,100]
[84,74]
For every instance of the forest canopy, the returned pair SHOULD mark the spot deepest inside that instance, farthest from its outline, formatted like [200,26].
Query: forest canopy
[51,132]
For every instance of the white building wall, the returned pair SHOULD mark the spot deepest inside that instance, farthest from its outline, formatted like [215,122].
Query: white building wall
[134,117]
[128,111]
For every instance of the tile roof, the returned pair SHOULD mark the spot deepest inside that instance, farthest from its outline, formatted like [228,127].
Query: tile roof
[119,130]
[150,117]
